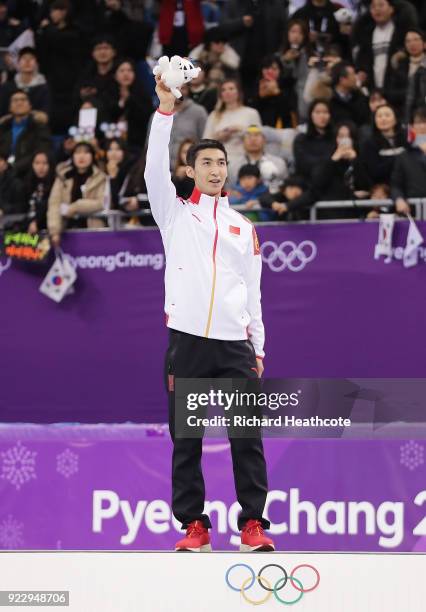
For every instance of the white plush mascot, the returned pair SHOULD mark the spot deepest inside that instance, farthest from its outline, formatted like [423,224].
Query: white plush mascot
[175,72]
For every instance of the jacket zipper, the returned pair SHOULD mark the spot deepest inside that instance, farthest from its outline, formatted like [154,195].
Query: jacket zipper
[209,319]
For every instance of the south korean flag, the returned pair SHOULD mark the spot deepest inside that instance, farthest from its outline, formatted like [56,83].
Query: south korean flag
[414,240]
[384,244]
[60,279]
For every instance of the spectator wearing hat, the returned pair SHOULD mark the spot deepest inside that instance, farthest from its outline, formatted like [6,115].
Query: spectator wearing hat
[28,79]
[216,52]
[273,169]
[348,103]
[97,79]
[249,188]
[21,134]
[79,189]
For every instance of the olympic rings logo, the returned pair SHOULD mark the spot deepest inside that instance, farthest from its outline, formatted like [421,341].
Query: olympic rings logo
[266,585]
[5,266]
[288,255]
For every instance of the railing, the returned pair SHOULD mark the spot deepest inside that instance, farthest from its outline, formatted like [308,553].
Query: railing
[115,218]
[419,205]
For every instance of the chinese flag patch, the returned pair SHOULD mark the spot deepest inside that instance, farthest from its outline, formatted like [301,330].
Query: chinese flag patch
[256,246]
[171,381]
[234,230]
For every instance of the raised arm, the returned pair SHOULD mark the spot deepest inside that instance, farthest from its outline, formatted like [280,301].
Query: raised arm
[161,191]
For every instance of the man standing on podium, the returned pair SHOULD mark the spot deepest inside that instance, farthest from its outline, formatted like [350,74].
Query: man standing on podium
[213,311]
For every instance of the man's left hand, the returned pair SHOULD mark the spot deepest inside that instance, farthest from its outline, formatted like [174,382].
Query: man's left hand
[260,367]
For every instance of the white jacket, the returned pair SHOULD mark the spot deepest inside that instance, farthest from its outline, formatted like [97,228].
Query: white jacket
[213,261]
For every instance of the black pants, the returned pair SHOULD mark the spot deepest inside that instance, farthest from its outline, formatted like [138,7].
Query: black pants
[191,356]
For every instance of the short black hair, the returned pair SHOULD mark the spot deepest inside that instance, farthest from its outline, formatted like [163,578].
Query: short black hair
[416,31]
[294,181]
[205,143]
[59,5]
[339,71]
[215,34]
[27,51]
[249,170]
[22,92]
[420,114]
[391,2]
[269,60]
[104,38]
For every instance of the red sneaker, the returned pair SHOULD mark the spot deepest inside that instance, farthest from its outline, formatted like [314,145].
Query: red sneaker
[197,538]
[254,539]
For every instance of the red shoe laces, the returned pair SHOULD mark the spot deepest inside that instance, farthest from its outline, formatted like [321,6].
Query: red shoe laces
[255,526]
[195,529]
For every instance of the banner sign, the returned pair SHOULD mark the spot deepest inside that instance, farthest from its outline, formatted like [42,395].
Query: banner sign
[25,247]
[108,487]
[330,310]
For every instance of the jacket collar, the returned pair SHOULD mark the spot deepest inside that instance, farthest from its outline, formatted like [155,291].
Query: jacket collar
[199,198]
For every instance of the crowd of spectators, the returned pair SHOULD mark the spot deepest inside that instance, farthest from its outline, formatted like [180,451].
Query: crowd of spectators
[314,100]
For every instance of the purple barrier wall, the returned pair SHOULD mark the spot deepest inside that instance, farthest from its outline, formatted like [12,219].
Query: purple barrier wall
[71,487]
[98,356]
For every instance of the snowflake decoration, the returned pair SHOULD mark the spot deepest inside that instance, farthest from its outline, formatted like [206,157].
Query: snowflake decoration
[11,533]
[18,465]
[67,463]
[412,455]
